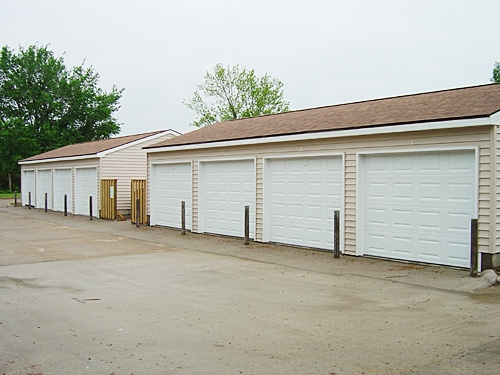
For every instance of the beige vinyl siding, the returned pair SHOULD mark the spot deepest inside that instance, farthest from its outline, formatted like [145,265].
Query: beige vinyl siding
[496,199]
[484,207]
[259,197]
[126,164]
[350,147]
[194,192]
[72,164]
[349,218]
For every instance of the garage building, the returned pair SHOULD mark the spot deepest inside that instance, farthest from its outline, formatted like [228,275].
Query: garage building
[407,174]
[76,170]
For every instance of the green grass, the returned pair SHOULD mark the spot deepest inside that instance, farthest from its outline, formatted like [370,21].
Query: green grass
[7,195]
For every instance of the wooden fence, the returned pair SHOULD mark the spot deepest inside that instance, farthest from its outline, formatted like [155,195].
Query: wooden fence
[138,191]
[108,199]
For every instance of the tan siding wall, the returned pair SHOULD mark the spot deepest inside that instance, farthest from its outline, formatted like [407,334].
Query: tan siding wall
[350,146]
[350,203]
[65,164]
[259,197]
[127,164]
[194,198]
[496,198]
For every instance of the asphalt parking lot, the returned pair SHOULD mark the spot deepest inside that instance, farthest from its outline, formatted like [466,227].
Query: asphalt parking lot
[102,297]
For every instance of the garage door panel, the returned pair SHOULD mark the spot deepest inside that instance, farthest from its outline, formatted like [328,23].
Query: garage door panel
[63,186]
[28,186]
[303,194]
[226,188]
[172,185]
[437,191]
[44,186]
[85,187]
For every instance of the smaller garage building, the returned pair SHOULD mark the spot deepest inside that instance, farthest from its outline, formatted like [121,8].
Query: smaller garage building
[406,173]
[76,170]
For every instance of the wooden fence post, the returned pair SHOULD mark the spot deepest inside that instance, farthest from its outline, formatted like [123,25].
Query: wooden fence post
[336,234]
[474,232]
[247,225]
[137,212]
[183,217]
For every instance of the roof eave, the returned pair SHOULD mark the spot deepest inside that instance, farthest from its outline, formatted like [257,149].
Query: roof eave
[102,153]
[63,158]
[494,119]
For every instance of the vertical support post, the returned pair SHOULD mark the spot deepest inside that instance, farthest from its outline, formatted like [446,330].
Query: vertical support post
[65,204]
[137,212]
[247,225]
[474,235]
[15,198]
[90,207]
[46,202]
[183,217]
[29,200]
[336,234]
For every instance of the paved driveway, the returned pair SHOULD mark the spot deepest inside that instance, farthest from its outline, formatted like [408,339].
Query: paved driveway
[100,297]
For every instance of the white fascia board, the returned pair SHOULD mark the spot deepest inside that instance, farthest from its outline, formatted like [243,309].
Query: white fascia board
[139,141]
[495,118]
[433,125]
[69,158]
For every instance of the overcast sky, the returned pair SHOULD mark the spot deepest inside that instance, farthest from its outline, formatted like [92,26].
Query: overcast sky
[324,52]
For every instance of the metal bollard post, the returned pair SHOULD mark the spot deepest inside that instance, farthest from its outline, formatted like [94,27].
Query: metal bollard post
[15,198]
[29,200]
[247,225]
[183,217]
[90,207]
[336,234]
[474,231]
[137,212]
[65,205]
[46,202]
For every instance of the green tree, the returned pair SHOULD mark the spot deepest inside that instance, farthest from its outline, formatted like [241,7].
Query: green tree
[496,72]
[44,105]
[230,93]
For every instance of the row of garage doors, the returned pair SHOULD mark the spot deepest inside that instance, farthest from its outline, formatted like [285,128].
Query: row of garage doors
[58,183]
[414,207]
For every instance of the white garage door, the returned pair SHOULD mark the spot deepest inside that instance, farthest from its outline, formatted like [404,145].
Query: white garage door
[44,186]
[28,186]
[171,184]
[301,197]
[227,187]
[62,186]
[418,206]
[85,186]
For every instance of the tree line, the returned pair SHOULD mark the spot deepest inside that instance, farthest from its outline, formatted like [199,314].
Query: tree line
[44,105]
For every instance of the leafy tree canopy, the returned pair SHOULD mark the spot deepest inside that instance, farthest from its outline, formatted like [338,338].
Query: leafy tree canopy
[230,93]
[44,105]
[496,73]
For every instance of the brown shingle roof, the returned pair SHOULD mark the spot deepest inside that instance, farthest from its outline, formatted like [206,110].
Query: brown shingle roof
[90,148]
[462,103]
